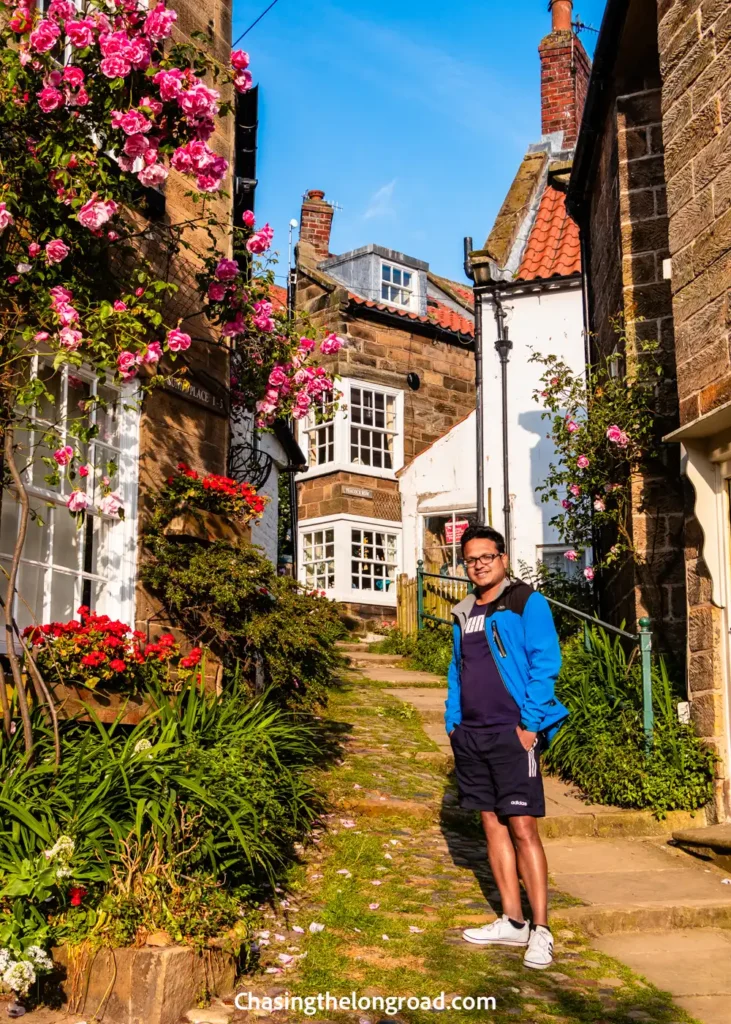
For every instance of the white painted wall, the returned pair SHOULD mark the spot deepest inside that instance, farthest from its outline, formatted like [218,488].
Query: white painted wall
[443,477]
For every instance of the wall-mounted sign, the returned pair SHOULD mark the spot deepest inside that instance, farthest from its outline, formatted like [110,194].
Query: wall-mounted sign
[193,391]
[453,530]
[358,492]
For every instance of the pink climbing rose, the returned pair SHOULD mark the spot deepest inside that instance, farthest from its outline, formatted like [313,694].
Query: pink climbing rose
[57,250]
[582,462]
[571,555]
[589,573]
[77,501]
[64,455]
[178,341]
[617,436]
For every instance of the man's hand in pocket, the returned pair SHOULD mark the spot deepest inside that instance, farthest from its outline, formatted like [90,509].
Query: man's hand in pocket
[526,738]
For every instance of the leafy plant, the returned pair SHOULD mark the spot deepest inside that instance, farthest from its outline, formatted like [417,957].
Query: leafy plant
[428,650]
[574,591]
[601,748]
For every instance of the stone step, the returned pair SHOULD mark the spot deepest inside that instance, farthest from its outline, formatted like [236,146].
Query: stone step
[647,917]
[712,843]
[366,659]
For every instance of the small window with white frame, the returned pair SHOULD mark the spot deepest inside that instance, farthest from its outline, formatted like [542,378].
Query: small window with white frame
[318,559]
[62,567]
[374,559]
[554,557]
[319,429]
[397,285]
[373,427]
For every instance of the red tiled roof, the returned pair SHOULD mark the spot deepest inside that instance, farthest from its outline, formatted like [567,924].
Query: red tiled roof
[464,292]
[553,244]
[439,314]
[278,296]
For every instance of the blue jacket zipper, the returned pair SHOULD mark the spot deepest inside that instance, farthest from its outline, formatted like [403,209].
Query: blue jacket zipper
[502,652]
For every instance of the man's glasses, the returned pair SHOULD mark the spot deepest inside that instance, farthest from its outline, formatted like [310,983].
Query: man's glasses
[487,559]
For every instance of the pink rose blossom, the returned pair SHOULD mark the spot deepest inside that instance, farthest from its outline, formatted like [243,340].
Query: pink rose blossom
[239,60]
[33,250]
[153,354]
[83,470]
[119,306]
[80,33]
[64,455]
[575,490]
[136,145]
[49,98]
[589,573]
[566,503]
[24,268]
[41,336]
[207,183]
[44,36]
[131,122]
[112,236]
[582,462]
[243,81]
[617,436]
[151,104]
[571,555]
[599,505]
[95,213]
[261,240]
[77,501]
[61,10]
[57,250]
[248,218]
[127,365]
[234,327]
[73,76]
[139,53]
[277,377]
[115,67]
[199,102]
[169,83]
[6,217]
[70,338]
[60,295]
[178,341]
[331,344]
[216,291]
[572,426]
[21,21]
[13,279]
[159,23]
[111,504]
[153,175]
[227,270]
[139,292]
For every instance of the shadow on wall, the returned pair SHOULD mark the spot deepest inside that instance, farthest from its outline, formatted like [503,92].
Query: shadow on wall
[540,459]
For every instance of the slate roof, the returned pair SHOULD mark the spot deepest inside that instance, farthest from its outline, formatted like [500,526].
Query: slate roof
[552,249]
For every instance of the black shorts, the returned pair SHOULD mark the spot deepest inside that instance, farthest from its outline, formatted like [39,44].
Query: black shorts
[496,773]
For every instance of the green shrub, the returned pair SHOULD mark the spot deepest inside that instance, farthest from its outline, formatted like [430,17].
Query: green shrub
[394,642]
[574,591]
[601,747]
[180,823]
[429,650]
[258,624]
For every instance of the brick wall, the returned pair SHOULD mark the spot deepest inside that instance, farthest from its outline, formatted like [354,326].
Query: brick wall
[695,53]
[564,80]
[629,242]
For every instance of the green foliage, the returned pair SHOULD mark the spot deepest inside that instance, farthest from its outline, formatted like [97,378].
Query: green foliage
[256,623]
[574,591]
[429,650]
[604,428]
[601,747]
[178,823]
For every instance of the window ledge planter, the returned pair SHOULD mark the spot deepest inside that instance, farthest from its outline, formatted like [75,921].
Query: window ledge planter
[73,699]
[207,526]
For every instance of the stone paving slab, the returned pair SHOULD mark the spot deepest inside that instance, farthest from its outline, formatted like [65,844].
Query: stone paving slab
[688,964]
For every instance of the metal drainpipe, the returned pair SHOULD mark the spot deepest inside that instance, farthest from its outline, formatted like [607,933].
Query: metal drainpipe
[503,346]
[293,510]
[479,410]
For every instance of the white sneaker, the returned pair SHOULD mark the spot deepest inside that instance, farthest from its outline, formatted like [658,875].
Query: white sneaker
[499,933]
[539,954]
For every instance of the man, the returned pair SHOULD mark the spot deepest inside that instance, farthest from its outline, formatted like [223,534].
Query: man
[500,710]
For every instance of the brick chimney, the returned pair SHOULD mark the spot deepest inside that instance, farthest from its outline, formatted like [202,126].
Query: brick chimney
[565,70]
[315,222]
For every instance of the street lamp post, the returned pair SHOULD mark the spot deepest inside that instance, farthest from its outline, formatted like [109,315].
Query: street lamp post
[479,268]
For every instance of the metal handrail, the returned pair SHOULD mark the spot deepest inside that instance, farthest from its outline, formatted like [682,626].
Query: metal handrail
[643,637]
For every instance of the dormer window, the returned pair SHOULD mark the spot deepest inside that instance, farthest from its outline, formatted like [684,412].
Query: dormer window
[396,285]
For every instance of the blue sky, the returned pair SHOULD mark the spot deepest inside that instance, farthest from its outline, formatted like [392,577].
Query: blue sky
[411,116]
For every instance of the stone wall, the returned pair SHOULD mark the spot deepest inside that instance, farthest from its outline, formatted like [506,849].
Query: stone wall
[695,54]
[629,246]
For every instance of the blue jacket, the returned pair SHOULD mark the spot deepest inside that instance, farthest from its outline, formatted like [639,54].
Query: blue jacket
[524,644]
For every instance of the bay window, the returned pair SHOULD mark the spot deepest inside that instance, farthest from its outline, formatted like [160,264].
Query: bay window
[62,567]
[364,434]
[351,559]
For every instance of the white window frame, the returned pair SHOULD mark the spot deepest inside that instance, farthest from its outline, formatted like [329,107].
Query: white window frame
[342,422]
[573,569]
[118,600]
[455,514]
[342,526]
[409,291]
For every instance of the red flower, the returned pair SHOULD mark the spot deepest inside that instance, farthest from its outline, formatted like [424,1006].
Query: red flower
[192,659]
[118,665]
[76,894]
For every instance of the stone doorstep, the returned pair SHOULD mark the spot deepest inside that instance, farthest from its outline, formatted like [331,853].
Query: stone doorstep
[648,917]
[366,660]
[712,843]
[151,985]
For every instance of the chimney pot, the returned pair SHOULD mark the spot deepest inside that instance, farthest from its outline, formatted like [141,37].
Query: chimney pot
[561,15]
[315,222]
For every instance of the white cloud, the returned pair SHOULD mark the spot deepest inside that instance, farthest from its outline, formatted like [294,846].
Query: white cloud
[381,203]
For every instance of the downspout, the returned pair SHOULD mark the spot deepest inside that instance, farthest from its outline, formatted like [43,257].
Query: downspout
[503,346]
[293,510]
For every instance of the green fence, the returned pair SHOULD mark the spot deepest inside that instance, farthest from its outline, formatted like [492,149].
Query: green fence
[435,597]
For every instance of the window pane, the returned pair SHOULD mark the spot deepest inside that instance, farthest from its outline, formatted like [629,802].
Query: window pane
[50,411]
[66,539]
[31,588]
[385,272]
[64,601]
[407,279]
[8,524]
[396,276]
[384,292]
[108,418]
[37,547]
